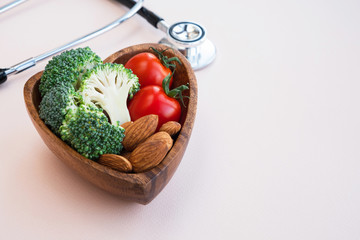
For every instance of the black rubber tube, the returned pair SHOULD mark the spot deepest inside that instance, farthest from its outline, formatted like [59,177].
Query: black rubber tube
[3,76]
[151,17]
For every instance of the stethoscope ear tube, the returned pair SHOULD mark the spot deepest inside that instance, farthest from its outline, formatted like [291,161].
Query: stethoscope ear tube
[4,72]
[151,17]
[10,5]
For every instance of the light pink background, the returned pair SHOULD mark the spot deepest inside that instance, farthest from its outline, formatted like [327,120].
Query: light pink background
[275,148]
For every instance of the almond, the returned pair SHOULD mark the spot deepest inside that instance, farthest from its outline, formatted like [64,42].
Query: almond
[163,136]
[139,131]
[150,153]
[170,127]
[116,162]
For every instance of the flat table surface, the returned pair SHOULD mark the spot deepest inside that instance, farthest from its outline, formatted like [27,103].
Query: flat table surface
[274,152]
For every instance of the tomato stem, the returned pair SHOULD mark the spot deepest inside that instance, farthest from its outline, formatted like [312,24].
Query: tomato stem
[165,60]
[176,92]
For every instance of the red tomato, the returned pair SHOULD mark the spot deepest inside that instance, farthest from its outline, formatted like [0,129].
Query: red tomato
[148,68]
[153,100]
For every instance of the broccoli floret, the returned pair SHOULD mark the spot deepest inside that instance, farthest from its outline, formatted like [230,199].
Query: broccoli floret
[69,67]
[77,91]
[89,132]
[108,86]
[56,103]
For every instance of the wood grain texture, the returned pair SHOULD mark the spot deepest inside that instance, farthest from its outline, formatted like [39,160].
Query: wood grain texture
[137,187]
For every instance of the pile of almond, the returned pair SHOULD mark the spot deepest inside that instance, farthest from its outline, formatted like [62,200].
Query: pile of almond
[144,147]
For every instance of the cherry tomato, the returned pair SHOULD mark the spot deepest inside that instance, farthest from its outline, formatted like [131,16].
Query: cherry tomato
[148,68]
[153,100]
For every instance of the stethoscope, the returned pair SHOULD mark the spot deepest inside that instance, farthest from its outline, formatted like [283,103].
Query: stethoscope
[187,37]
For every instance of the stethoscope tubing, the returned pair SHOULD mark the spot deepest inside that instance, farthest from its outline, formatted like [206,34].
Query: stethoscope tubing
[150,16]
[10,5]
[5,72]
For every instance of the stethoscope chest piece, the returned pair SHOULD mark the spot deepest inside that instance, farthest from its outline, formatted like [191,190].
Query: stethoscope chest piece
[190,39]
[187,33]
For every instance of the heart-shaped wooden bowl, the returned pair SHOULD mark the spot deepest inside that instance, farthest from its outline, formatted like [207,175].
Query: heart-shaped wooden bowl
[137,187]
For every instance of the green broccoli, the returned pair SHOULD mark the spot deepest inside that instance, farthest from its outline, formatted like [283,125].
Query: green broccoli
[108,86]
[89,132]
[56,103]
[69,67]
[77,91]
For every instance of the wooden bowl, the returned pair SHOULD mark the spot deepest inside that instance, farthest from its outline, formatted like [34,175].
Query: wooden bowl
[137,187]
